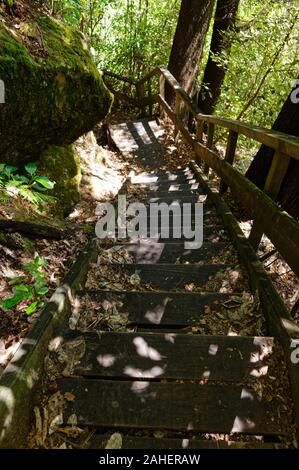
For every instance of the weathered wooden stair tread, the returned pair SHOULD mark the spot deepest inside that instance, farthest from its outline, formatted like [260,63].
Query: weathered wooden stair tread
[170,356]
[169,276]
[160,309]
[180,407]
[99,441]
[168,198]
[154,252]
[210,232]
[194,194]
[166,186]
[140,136]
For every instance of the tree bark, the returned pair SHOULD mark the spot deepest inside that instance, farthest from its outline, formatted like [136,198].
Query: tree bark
[225,19]
[188,42]
[288,122]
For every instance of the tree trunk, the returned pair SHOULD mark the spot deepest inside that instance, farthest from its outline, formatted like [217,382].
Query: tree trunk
[188,42]
[225,18]
[288,122]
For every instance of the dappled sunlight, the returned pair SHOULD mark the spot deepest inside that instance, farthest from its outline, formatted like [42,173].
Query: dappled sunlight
[156,314]
[144,350]
[107,360]
[147,374]
[143,391]
[213,349]
[7,400]
[170,337]
[242,425]
[259,372]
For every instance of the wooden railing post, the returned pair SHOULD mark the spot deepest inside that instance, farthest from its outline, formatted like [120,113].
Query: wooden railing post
[199,130]
[140,96]
[178,105]
[211,130]
[229,155]
[162,92]
[273,183]
[150,106]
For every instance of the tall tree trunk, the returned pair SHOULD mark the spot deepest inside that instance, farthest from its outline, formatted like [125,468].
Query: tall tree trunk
[188,42]
[288,122]
[225,19]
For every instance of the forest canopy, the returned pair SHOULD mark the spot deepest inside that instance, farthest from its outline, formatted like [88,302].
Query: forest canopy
[132,36]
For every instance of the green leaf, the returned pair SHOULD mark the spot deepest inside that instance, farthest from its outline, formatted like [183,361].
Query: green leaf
[2,166]
[32,307]
[31,168]
[44,181]
[42,290]
[9,169]
[16,280]
[12,301]
[21,288]
[39,262]
[21,178]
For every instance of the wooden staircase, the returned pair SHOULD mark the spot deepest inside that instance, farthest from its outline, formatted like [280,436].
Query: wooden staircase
[165,382]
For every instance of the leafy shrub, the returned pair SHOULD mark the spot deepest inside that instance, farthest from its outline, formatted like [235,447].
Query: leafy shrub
[30,186]
[32,286]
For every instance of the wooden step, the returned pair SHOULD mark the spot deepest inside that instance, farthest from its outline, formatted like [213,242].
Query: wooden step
[157,309]
[167,276]
[168,198]
[164,176]
[168,186]
[149,356]
[154,252]
[99,441]
[181,407]
[211,233]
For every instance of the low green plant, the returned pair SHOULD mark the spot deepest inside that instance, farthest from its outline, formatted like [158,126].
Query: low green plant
[31,286]
[30,186]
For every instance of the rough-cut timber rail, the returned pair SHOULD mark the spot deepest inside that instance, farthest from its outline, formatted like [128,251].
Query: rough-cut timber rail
[161,376]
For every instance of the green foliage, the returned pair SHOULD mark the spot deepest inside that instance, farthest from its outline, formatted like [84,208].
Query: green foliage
[264,52]
[32,286]
[29,186]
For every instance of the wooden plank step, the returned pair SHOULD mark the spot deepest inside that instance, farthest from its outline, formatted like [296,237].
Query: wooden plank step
[164,175]
[147,356]
[167,276]
[167,190]
[211,233]
[99,441]
[181,407]
[155,252]
[157,309]
[168,198]
[167,186]
[137,136]
[149,179]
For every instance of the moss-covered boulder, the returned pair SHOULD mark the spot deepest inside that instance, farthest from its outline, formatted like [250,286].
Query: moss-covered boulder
[53,90]
[62,165]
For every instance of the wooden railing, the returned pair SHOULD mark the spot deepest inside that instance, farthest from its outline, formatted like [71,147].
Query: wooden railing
[268,217]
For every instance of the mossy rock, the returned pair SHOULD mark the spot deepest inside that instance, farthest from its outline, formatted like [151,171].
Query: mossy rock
[62,165]
[53,90]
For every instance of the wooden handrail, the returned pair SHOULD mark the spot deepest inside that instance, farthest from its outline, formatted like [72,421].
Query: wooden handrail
[119,77]
[286,144]
[268,217]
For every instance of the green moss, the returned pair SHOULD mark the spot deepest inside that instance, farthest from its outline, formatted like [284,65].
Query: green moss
[62,165]
[28,246]
[51,99]
[3,238]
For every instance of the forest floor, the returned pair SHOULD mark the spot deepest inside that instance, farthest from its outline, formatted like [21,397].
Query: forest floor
[100,182]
